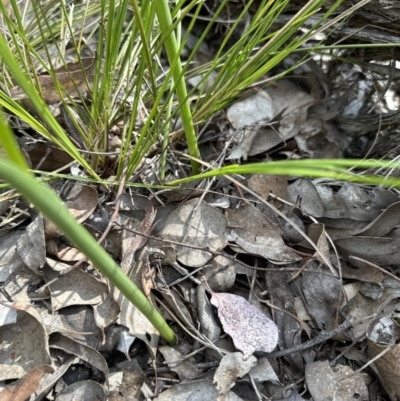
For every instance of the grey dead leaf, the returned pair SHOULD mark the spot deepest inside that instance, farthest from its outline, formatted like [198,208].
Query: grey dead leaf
[146,391]
[22,389]
[383,331]
[183,367]
[75,322]
[23,345]
[87,390]
[7,316]
[18,285]
[197,390]
[79,324]
[231,368]
[264,140]
[381,336]
[359,205]
[316,232]
[352,289]
[255,234]
[133,203]
[281,99]
[242,150]
[290,104]
[290,329]
[68,253]
[138,241]
[340,383]
[74,288]
[251,330]
[384,197]
[288,98]
[334,206]
[290,234]
[130,316]
[210,326]
[31,246]
[306,192]
[115,381]
[106,312]
[255,109]
[81,201]
[132,381]
[49,380]
[86,353]
[301,310]
[313,140]
[178,306]
[10,260]
[265,184]
[336,233]
[323,294]
[364,310]
[197,224]
[294,396]
[54,323]
[221,274]
[384,223]
[381,251]
[216,200]
[71,77]
[137,324]
[222,346]
[130,242]
[263,372]
[125,341]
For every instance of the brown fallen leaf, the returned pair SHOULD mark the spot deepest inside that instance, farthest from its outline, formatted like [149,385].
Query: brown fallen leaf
[71,77]
[132,242]
[249,328]
[24,387]
[148,276]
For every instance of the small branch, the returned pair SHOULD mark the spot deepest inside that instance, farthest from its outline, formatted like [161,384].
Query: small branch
[309,344]
[200,248]
[375,266]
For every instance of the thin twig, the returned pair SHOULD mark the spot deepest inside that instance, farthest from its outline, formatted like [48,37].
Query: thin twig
[200,248]
[375,266]
[309,344]
[333,363]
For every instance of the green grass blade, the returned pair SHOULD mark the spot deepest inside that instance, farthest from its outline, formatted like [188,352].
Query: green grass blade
[171,47]
[46,201]
[11,147]
[326,168]
[40,105]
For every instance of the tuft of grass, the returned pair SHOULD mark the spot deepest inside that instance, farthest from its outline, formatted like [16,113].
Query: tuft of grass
[128,82]
[14,170]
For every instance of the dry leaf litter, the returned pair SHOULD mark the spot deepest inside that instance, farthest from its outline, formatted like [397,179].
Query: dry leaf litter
[240,270]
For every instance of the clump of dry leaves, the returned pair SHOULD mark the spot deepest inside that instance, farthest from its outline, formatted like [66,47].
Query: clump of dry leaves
[256,275]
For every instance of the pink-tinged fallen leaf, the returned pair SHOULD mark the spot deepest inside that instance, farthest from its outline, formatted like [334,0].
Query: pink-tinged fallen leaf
[249,328]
